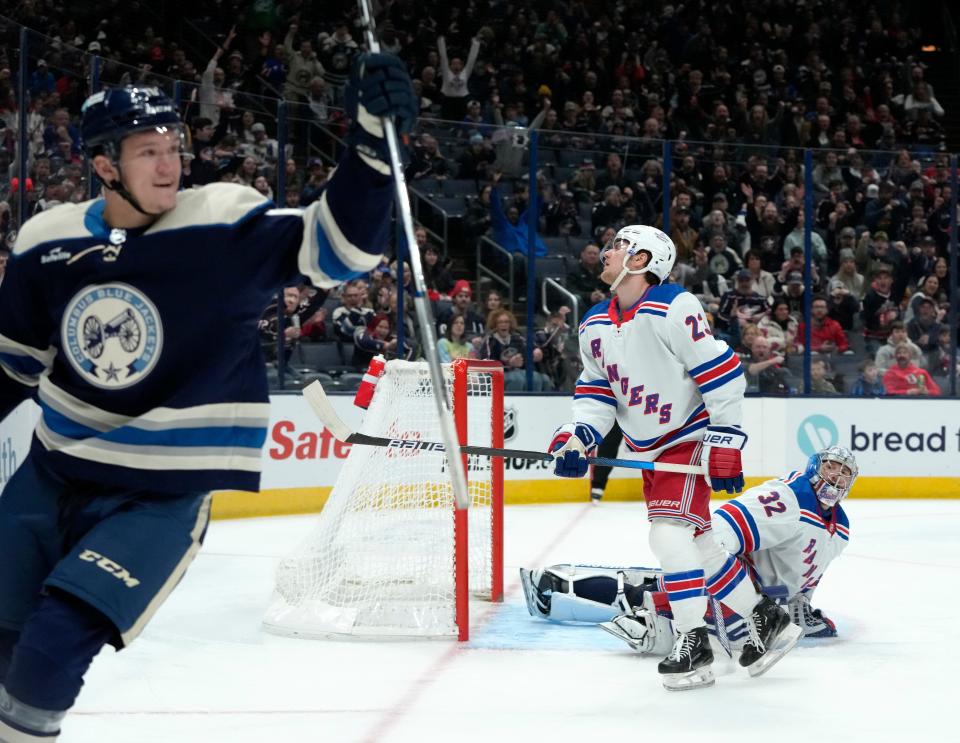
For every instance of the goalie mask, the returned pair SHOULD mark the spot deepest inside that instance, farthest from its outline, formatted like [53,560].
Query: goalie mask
[636,238]
[831,473]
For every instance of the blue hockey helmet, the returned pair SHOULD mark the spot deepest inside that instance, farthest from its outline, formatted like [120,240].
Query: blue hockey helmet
[831,484]
[113,114]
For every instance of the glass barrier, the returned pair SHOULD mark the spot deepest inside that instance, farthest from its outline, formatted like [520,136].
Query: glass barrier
[827,269]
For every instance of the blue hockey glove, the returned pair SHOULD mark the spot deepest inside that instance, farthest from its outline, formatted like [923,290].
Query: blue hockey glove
[379,85]
[572,444]
[721,457]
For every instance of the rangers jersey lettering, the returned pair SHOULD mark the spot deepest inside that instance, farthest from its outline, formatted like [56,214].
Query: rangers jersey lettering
[141,345]
[782,532]
[657,370]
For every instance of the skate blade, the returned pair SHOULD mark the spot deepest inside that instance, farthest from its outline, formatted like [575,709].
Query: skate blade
[619,633]
[689,680]
[786,641]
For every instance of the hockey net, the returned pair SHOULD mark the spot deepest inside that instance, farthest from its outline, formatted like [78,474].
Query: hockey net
[391,556]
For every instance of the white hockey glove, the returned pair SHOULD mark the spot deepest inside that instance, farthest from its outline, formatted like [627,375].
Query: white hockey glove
[721,457]
[571,445]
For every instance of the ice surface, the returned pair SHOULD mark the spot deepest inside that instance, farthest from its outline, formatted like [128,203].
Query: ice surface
[203,671]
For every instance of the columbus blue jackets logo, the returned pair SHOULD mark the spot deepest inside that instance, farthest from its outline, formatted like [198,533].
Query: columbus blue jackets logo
[112,335]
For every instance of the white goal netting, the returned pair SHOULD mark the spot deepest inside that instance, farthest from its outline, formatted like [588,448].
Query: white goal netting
[380,561]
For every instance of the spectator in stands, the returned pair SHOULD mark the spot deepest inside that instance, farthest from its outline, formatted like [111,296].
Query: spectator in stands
[584,279]
[61,138]
[906,378]
[684,236]
[826,335]
[847,274]
[352,316]
[765,370]
[494,301]
[612,174]
[212,96]
[780,328]
[552,340]
[820,384]
[376,338]
[886,355]
[452,345]
[887,213]
[455,76]
[927,288]
[879,310]
[563,216]
[796,239]
[793,293]
[924,327]
[269,324]
[503,343]
[868,384]
[476,161]
[610,210]
[722,259]
[583,182]
[427,161]
[304,66]
[841,306]
[741,305]
[510,226]
[923,258]
[796,264]
[939,359]
[762,282]
[475,326]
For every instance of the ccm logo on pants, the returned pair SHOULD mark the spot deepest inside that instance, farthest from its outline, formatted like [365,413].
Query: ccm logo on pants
[105,563]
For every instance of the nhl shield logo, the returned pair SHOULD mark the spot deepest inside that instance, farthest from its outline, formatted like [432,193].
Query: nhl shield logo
[509,423]
[112,335]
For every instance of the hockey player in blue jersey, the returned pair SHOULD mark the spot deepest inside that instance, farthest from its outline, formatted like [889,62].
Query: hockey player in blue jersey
[781,535]
[112,318]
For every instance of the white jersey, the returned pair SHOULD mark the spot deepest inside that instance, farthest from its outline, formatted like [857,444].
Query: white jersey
[657,370]
[783,533]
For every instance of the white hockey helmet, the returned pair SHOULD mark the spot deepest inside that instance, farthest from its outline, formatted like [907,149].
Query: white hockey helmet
[663,253]
[832,484]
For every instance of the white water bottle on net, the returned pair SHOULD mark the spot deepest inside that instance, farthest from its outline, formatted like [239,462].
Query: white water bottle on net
[391,556]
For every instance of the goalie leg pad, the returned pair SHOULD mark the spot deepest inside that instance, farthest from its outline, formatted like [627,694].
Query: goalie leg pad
[566,607]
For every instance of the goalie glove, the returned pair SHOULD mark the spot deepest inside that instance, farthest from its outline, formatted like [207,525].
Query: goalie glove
[379,85]
[721,457]
[572,444]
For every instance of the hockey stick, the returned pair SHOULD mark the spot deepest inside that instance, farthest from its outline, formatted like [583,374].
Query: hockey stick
[318,400]
[424,314]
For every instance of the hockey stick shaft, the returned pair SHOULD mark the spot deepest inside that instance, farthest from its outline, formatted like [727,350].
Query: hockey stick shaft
[318,400]
[424,314]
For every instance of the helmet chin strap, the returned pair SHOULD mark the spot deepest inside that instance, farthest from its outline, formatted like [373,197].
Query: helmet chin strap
[623,274]
[118,188]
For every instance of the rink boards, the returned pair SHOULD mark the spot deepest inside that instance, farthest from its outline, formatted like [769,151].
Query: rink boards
[906,448]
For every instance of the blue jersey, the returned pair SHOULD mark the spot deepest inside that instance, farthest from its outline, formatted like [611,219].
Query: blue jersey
[141,345]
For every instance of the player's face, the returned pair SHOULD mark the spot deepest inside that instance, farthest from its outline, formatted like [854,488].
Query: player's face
[150,164]
[613,258]
[836,474]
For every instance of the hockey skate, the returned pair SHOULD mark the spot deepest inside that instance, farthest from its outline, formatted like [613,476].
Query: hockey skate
[811,621]
[771,636]
[688,665]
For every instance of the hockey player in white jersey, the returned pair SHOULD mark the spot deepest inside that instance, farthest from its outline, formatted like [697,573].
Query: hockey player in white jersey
[782,536]
[132,320]
[651,364]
